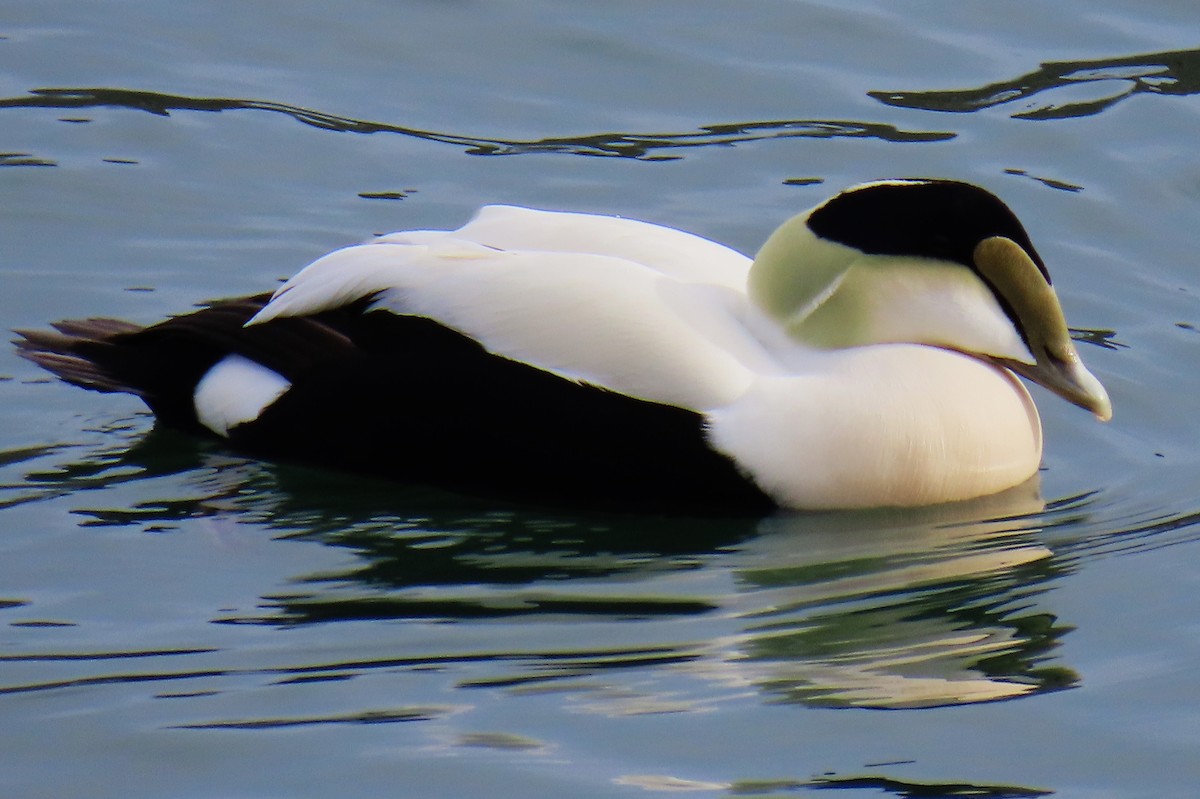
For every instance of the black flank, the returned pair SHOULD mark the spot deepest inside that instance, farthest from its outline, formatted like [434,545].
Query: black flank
[408,398]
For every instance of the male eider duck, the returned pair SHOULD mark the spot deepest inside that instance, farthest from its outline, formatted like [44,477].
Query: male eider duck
[865,357]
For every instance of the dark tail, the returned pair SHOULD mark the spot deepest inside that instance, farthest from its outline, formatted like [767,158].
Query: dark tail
[161,364]
[76,352]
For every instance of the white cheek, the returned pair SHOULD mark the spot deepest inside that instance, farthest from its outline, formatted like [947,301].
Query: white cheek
[931,303]
[235,391]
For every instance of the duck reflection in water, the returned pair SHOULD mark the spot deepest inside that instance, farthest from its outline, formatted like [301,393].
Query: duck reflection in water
[887,609]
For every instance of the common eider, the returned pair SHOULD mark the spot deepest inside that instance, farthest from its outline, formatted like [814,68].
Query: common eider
[867,356]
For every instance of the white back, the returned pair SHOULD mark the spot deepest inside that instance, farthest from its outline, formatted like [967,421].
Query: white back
[596,318]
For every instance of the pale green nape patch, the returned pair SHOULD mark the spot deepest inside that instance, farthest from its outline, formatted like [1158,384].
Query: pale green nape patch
[794,271]
[830,296]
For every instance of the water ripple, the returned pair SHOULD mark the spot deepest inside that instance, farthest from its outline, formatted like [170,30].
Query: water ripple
[23,159]
[611,144]
[391,716]
[1076,88]
[905,789]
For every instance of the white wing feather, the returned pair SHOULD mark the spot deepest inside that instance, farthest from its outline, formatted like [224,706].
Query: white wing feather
[684,256]
[666,331]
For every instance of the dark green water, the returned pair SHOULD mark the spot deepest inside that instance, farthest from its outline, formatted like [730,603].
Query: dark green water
[178,621]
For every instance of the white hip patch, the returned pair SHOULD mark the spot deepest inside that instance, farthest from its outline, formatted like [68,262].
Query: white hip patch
[235,391]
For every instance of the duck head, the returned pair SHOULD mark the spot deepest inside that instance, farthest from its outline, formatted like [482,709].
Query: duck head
[933,262]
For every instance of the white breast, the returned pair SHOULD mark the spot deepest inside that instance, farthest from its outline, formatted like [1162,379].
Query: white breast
[883,425]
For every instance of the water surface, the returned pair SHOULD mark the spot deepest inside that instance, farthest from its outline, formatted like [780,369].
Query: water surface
[178,620]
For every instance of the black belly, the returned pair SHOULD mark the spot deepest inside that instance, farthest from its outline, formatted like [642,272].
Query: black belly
[407,398]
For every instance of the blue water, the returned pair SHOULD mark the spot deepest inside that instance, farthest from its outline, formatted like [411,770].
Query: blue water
[176,620]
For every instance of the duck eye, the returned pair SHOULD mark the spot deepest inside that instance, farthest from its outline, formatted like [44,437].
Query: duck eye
[941,245]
